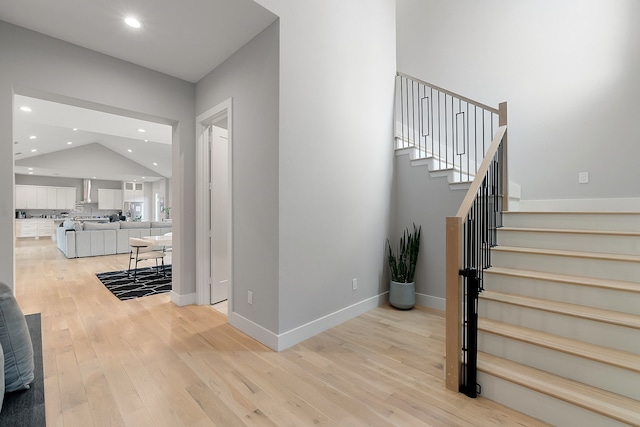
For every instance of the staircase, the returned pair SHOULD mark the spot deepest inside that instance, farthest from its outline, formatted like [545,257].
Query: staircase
[437,168]
[559,319]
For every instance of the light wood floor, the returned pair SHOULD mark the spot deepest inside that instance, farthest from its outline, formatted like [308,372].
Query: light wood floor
[146,362]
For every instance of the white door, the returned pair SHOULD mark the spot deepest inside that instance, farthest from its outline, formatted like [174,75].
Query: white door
[220,200]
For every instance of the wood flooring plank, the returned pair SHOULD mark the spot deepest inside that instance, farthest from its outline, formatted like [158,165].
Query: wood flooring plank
[147,362]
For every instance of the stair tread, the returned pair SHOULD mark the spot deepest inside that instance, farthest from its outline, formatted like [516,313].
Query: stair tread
[598,353]
[572,231]
[619,285]
[609,404]
[590,313]
[565,253]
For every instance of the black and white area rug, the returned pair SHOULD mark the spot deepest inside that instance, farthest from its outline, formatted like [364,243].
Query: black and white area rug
[148,282]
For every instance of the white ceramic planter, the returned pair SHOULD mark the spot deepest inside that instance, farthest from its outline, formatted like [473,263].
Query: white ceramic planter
[402,295]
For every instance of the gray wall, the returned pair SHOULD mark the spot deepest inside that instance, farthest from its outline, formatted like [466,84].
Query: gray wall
[569,70]
[34,64]
[337,62]
[425,201]
[250,77]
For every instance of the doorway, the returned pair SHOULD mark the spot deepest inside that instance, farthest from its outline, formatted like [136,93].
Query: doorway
[215,224]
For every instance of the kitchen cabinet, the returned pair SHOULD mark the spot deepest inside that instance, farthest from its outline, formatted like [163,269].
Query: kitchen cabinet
[41,198]
[21,197]
[44,197]
[133,192]
[32,198]
[34,227]
[109,199]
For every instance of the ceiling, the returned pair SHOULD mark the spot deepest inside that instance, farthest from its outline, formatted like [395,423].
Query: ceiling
[50,127]
[184,39]
[172,40]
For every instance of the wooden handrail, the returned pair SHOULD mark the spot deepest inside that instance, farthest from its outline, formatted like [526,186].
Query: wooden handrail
[482,171]
[448,92]
[454,234]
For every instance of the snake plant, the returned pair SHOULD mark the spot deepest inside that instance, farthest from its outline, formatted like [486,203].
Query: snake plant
[403,267]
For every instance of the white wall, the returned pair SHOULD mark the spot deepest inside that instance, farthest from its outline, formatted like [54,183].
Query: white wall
[568,69]
[250,77]
[35,64]
[337,65]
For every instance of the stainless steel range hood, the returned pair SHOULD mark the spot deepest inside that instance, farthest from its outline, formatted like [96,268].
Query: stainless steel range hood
[86,191]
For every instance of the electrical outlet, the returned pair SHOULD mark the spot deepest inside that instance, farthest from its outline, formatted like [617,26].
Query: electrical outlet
[250,297]
[354,284]
[583,177]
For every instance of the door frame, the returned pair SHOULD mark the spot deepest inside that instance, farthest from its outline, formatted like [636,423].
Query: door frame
[203,204]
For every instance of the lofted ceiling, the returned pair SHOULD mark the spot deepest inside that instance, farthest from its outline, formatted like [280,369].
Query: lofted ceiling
[185,40]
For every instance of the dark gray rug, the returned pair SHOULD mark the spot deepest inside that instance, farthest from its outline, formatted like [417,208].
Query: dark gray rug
[148,282]
[26,407]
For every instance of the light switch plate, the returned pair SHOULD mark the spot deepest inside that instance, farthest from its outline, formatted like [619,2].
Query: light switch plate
[583,177]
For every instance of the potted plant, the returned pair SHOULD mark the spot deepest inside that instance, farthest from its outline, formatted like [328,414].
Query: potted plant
[166,212]
[402,291]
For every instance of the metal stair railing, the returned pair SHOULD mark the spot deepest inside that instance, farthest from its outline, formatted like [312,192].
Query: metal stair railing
[452,129]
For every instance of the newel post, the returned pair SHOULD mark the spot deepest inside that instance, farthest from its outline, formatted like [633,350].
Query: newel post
[502,121]
[453,317]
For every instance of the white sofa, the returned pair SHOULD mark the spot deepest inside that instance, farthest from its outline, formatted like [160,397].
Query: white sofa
[95,239]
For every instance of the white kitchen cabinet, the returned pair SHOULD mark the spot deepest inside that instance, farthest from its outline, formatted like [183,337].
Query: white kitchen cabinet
[34,227]
[21,197]
[61,198]
[52,197]
[26,228]
[32,197]
[45,227]
[41,198]
[44,197]
[109,199]
[71,198]
[133,192]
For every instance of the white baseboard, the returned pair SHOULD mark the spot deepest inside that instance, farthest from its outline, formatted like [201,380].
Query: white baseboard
[182,300]
[279,342]
[430,301]
[631,204]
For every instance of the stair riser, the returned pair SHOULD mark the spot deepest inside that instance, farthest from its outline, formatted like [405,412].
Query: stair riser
[603,269]
[553,411]
[590,221]
[614,336]
[571,242]
[607,299]
[606,377]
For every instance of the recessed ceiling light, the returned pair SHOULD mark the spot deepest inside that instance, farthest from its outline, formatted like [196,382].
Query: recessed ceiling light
[132,22]
[155,164]
[25,109]
[146,140]
[75,129]
[34,150]
[130,150]
[30,173]
[32,137]
[69,142]
[30,169]
[93,177]
[141,130]
[144,177]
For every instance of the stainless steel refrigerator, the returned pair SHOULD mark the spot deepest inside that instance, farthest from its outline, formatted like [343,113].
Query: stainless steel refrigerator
[133,210]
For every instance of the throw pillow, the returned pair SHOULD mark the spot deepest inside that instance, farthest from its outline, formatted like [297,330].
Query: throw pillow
[1,377]
[16,343]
